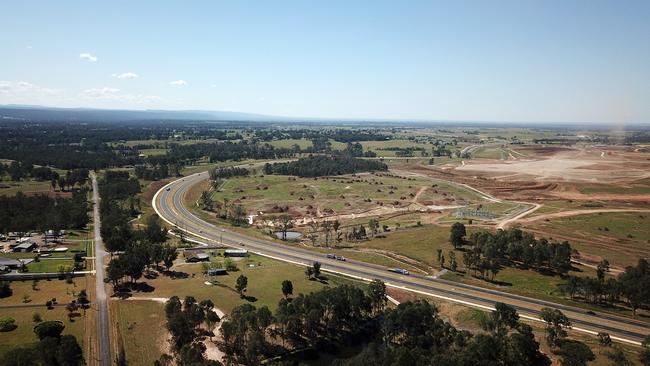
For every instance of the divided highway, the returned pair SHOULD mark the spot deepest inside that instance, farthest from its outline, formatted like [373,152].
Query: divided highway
[168,204]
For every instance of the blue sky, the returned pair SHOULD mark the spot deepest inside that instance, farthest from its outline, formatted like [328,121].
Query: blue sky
[568,61]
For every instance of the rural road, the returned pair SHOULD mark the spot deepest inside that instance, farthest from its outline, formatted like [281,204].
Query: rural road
[103,340]
[168,204]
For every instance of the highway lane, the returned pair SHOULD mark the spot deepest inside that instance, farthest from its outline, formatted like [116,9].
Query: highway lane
[168,203]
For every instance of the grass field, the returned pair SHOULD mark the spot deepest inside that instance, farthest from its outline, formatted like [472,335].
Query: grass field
[620,237]
[46,290]
[377,146]
[24,186]
[24,335]
[136,321]
[635,189]
[264,283]
[340,194]
[288,143]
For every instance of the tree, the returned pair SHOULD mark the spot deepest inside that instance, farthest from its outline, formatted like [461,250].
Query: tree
[574,353]
[69,352]
[644,356]
[286,222]
[617,357]
[453,265]
[501,320]
[602,268]
[373,225]
[457,235]
[316,269]
[287,288]
[242,283]
[439,253]
[169,255]
[49,329]
[5,289]
[604,339]
[377,294]
[327,228]
[556,322]
[309,271]
[205,201]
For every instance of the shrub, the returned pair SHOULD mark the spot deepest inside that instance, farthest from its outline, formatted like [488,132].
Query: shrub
[7,324]
[5,289]
[51,328]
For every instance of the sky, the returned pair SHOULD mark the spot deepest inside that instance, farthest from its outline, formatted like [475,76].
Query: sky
[519,61]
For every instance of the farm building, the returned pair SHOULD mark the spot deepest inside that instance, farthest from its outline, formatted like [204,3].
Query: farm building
[217,272]
[193,256]
[10,263]
[235,253]
[24,247]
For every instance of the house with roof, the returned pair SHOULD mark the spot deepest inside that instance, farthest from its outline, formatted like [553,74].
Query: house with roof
[194,256]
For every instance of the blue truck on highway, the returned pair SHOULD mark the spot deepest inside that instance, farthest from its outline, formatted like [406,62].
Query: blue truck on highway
[399,270]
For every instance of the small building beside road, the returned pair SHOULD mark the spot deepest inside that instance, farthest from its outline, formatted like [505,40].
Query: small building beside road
[217,272]
[235,253]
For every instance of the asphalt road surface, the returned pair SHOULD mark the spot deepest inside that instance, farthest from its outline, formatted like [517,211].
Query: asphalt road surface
[168,203]
[103,338]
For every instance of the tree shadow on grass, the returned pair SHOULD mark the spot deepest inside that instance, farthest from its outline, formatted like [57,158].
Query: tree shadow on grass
[176,274]
[249,298]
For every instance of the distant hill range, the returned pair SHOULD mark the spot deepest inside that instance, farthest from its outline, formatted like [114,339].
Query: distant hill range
[49,114]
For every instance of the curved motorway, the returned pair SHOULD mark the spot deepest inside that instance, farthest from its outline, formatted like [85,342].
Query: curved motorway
[168,204]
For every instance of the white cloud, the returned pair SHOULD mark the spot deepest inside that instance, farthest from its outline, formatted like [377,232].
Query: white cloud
[127,75]
[29,47]
[178,82]
[117,95]
[25,88]
[88,57]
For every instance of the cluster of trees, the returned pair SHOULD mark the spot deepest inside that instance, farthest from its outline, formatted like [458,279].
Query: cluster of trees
[141,249]
[321,165]
[326,316]
[189,323]
[158,171]
[414,334]
[631,287]
[411,334]
[21,213]
[52,349]
[221,173]
[226,210]
[117,190]
[488,251]
[18,171]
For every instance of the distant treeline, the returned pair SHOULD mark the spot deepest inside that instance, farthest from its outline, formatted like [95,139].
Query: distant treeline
[223,151]
[21,213]
[340,135]
[323,165]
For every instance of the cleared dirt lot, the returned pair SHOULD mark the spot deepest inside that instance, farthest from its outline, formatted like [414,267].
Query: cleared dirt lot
[575,165]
